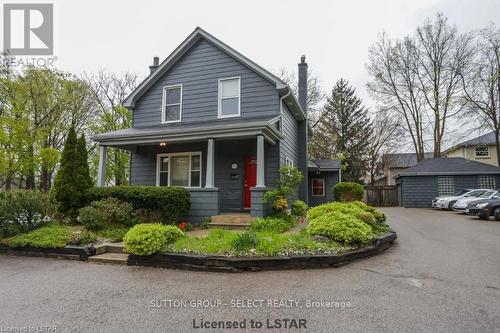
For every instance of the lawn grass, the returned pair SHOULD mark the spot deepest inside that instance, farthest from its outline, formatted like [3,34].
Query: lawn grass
[52,235]
[114,233]
[221,242]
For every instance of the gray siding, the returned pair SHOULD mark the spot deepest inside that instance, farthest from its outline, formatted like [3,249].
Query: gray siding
[204,203]
[289,143]
[331,178]
[259,208]
[418,191]
[199,71]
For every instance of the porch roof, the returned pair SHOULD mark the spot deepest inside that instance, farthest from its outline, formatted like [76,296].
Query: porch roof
[195,131]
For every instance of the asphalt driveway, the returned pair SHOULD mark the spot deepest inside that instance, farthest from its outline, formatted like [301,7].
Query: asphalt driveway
[442,275]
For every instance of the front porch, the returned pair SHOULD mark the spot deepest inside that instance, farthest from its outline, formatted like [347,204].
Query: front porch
[223,175]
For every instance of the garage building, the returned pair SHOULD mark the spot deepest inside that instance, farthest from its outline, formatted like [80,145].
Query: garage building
[417,186]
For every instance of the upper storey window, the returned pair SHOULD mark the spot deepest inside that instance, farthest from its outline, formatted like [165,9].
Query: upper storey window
[229,97]
[172,104]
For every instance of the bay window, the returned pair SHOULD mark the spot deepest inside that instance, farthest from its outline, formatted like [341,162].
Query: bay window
[179,169]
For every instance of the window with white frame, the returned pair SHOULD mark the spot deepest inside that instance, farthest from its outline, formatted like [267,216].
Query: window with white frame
[172,104]
[318,187]
[482,151]
[446,186]
[179,169]
[229,97]
[486,182]
[288,161]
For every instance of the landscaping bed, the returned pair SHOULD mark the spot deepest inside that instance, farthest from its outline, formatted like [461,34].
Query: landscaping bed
[242,264]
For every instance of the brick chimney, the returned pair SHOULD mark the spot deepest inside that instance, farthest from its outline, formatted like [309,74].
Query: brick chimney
[303,83]
[154,66]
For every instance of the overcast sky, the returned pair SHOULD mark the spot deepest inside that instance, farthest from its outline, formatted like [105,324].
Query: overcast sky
[334,35]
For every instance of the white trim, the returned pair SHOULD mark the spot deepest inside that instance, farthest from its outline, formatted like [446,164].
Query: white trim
[219,98]
[312,187]
[190,154]
[164,105]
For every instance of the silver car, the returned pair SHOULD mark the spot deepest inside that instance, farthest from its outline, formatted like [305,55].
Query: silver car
[461,204]
[447,201]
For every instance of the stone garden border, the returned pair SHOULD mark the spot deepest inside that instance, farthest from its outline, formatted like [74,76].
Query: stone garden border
[81,253]
[242,264]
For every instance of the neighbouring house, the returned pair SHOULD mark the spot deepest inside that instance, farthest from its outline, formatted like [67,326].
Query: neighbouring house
[482,149]
[211,120]
[393,164]
[418,185]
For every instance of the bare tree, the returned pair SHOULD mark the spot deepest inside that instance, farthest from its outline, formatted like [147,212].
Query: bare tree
[418,77]
[110,91]
[482,84]
[385,130]
[315,96]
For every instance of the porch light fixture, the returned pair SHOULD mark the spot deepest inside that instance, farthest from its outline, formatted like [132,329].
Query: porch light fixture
[163,144]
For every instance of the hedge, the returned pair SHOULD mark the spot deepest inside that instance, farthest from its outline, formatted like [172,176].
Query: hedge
[346,191]
[173,202]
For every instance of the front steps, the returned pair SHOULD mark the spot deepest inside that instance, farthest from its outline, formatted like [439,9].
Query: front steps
[236,221]
[110,253]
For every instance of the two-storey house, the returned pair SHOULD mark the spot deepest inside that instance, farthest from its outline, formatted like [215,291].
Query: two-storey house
[209,119]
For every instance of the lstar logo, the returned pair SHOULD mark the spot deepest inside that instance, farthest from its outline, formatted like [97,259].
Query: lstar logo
[28,29]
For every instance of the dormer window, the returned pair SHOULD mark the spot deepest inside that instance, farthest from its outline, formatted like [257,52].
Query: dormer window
[172,104]
[229,97]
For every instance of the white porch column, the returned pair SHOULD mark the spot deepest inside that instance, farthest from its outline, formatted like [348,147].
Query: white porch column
[101,171]
[261,180]
[209,179]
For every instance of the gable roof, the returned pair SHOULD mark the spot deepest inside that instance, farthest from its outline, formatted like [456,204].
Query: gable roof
[485,139]
[402,160]
[449,166]
[284,90]
[324,165]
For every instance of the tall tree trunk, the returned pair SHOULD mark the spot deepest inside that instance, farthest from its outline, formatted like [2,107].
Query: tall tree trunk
[30,175]
[44,179]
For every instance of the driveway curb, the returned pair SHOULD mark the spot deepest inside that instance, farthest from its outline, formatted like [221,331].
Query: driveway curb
[81,253]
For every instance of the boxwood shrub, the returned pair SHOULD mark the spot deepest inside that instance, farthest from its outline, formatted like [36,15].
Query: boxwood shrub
[340,227]
[106,213]
[173,202]
[147,238]
[346,191]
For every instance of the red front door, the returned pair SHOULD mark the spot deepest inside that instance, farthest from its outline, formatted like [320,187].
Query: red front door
[250,179]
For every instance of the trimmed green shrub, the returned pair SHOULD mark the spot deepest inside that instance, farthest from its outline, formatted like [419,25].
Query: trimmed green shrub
[106,212]
[173,202]
[346,192]
[273,223]
[299,208]
[73,178]
[24,210]
[50,236]
[146,239]
[245,241]
[379,217]
[340,227]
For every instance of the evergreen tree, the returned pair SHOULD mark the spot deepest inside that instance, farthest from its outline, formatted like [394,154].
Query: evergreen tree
[86,181]
[73,177]
[343,131]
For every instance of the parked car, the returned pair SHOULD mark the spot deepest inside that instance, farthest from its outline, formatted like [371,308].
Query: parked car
[447,201]
[461,204]
[485,208]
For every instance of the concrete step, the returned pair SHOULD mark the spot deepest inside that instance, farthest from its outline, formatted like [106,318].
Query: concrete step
[110,258]
[232,219]
[229,226]
[110,248]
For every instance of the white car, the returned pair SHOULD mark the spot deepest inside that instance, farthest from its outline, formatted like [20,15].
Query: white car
[461,204]
[447,201]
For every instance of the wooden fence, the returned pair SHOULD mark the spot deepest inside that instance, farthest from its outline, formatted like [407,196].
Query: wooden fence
[381,196]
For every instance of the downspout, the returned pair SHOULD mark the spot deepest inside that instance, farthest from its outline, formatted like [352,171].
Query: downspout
[340,175]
